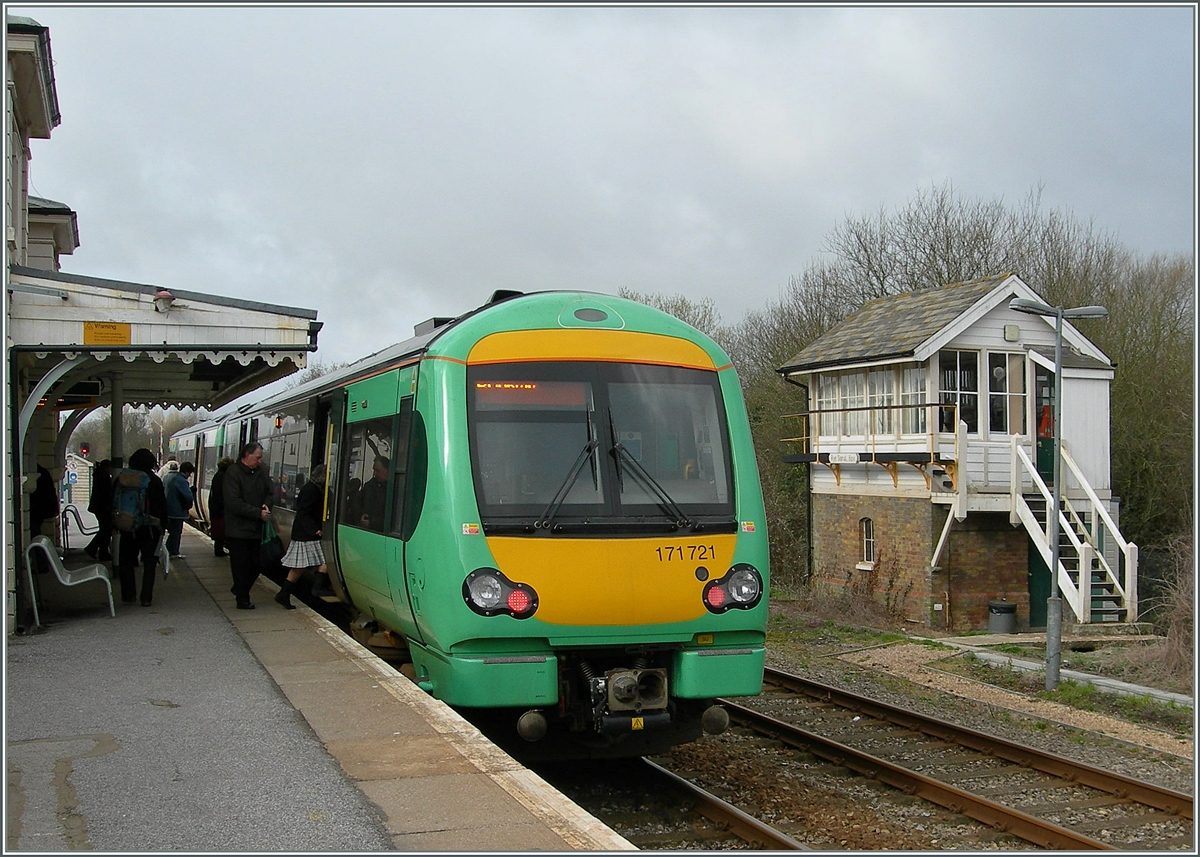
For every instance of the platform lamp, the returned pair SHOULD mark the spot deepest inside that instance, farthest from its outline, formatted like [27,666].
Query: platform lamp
[1054,602]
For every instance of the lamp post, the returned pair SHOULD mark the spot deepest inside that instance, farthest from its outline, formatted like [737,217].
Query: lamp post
[1054,602]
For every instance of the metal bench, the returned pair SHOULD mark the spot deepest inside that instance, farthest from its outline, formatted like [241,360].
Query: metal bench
[68,577]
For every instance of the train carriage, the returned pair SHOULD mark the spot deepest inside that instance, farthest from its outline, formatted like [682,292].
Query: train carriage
[551,507]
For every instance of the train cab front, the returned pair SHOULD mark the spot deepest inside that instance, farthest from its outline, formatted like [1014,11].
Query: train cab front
[626,554]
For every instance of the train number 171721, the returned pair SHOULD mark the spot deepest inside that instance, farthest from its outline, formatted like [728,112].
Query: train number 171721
[686,553]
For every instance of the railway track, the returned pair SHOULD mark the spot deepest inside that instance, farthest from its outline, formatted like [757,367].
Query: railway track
[656,809]
[1044,799]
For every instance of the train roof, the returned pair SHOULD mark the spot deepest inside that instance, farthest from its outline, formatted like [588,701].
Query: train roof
[426,333]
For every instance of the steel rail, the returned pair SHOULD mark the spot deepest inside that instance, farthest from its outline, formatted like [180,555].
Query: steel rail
[1167,800]
[728,816]
[995,815]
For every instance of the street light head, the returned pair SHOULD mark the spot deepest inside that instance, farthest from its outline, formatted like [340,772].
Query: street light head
[1039,308]
[1086,312]
[1031,307]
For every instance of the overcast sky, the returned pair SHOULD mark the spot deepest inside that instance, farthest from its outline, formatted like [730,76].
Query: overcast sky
[384,165]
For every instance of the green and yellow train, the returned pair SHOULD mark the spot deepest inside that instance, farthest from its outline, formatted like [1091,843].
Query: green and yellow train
[550,505]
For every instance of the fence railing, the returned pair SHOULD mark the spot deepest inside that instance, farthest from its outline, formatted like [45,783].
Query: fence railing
[929,427]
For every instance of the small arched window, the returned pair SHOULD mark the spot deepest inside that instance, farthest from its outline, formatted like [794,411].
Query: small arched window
[866,529]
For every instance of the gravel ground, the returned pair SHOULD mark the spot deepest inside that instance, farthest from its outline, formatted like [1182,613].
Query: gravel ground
[900,674]
[826,808]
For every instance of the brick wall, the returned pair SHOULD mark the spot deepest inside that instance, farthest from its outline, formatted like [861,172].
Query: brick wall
[988,558]
[985,558]
[904,540]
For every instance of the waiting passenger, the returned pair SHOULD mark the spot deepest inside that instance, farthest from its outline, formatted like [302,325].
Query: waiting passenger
[216,507]
[179,504]
[43,502]
[305,550]
[100,505]
[372,499]
[172,463]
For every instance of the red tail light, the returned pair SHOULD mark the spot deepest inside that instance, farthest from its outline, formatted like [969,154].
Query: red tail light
[518,601]
[714,597]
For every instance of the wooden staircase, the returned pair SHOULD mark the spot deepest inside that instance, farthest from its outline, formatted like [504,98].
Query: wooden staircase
[1097,567]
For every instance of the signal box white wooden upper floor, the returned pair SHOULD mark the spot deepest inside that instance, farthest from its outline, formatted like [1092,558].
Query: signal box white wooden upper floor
[926,393]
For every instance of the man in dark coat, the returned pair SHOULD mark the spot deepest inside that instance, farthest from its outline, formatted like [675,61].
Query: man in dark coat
[216,507]
[43,502]
[373,497]
[248,497]
[100,505]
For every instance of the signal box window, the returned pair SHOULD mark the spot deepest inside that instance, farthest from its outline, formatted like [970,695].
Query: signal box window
[1006,393]
[959,386]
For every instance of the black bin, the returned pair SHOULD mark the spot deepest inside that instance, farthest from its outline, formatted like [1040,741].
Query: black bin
[1002,617]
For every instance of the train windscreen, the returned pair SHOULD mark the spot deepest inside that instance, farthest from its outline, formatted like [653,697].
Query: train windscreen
[598,443]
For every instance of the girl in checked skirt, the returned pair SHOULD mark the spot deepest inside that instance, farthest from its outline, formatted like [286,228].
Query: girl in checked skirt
[305,548]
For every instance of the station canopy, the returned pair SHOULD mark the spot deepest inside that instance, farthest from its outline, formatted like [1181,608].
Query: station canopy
[75,339]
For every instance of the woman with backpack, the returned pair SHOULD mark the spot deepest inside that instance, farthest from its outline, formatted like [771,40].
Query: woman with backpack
[141,540]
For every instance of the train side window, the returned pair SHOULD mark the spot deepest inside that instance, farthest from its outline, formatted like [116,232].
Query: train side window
[400,465]
[418,469]
[367,474]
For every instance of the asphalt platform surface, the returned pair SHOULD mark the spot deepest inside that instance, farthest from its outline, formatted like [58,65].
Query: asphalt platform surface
[192,726]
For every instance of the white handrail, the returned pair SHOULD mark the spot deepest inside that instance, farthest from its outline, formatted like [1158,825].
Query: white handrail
[1128,549]
[1091,495]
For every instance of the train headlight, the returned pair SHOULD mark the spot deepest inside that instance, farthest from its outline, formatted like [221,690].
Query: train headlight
[744,585]
[485,591]
[740,588]
[489,593]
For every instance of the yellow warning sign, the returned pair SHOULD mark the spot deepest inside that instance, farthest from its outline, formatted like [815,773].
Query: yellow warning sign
[638,724]
[107,333]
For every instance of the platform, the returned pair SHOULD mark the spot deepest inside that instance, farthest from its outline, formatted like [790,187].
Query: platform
[190,725]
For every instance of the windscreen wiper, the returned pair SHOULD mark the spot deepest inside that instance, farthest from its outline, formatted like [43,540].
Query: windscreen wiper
[664,499]
[560,496]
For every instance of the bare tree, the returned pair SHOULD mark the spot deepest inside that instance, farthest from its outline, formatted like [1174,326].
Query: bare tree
[151,428]
[940,238]
[701,314]
[315,370]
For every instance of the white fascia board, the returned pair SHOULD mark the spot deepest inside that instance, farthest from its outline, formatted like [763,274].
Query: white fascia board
[858,366]
[1071,371]
[1012,287]
[34,93]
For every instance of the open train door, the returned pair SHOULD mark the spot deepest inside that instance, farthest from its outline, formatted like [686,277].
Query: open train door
[372,437]
[326,415]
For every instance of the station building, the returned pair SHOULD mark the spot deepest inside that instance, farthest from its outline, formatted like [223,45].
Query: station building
[75,343]
[929,439]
